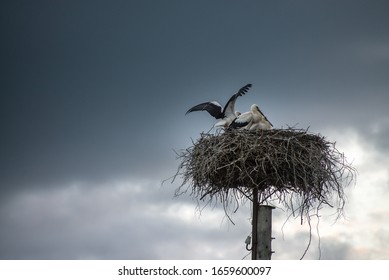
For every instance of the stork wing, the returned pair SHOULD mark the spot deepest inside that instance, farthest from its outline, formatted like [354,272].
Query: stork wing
[229,108]
[264,116]
[213,108]
[242,120]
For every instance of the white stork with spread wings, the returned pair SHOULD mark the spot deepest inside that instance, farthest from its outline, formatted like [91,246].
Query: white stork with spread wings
[227,114]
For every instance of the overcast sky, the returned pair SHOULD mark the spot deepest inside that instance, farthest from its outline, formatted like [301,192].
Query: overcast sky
[93,96]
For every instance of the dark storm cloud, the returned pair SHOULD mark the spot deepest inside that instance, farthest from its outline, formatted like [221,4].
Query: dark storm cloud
[82,87]
[97,89]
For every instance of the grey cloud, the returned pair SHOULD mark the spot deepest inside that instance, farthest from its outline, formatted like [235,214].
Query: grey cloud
[122,221]
[333,249]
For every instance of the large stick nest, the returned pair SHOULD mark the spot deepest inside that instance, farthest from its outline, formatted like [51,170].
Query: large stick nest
[282,163]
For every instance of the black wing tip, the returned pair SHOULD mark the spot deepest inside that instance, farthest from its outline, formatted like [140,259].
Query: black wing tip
[212,109]
[193,109]
[198,107]
[244,89]
[247,86]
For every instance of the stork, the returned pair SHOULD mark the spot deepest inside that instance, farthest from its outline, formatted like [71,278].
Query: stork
[227,114]
[252,120]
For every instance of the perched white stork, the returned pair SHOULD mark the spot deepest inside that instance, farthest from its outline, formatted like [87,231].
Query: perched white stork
[226,114]
[252,120]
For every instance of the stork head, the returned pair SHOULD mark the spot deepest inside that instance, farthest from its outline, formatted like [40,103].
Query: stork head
[238,113]
[255,107]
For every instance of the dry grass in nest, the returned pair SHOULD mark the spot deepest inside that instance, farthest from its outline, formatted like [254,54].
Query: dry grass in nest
[286,165]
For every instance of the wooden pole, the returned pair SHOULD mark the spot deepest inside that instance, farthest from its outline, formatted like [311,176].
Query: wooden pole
[255,225]
[261,230]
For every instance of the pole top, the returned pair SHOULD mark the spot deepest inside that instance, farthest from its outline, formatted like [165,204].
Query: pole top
[267,206]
